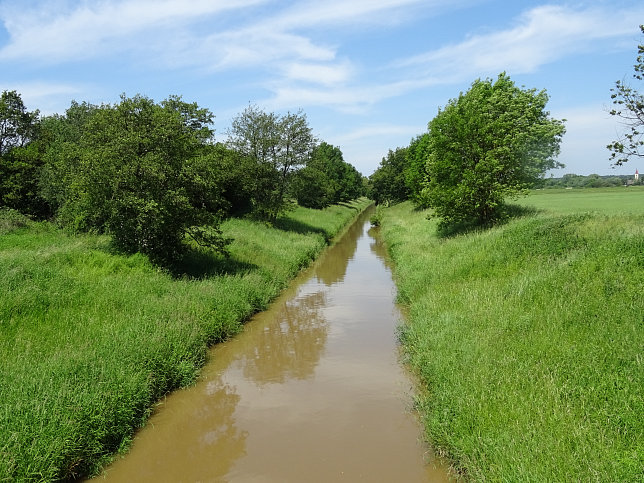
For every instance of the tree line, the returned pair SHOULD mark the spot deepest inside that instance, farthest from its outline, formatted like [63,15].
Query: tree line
[152,175]
[594,180]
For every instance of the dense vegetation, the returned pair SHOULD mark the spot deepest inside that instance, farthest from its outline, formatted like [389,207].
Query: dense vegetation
[91,339]
[488,144]
[129,241]
[152,176]
[591,181]
[528,337]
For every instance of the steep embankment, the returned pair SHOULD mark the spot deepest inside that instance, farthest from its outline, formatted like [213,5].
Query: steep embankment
[90,339]
[528,339]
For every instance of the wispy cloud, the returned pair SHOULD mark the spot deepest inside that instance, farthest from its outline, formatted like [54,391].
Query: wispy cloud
[61,31]
[589,129]
[46,96]
[541,35]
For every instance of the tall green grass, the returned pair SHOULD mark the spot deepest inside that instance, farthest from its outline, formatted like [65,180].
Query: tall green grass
[90,339]
[529,339]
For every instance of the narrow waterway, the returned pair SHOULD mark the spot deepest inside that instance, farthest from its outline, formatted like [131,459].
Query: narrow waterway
[312,390]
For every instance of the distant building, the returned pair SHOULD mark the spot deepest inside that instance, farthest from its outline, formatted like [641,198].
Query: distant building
[637,174]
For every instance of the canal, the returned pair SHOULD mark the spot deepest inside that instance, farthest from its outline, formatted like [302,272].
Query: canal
[312,390]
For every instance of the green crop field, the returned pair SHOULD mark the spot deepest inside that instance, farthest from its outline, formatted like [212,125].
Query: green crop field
[528,338]
[601,200]
[90,339]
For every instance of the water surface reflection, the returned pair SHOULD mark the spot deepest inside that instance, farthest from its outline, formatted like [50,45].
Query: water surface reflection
[312,390]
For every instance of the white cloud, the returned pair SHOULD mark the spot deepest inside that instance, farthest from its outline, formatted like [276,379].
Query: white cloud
[588,130]
[366,145]
[319,73]
[58,32]
[47,97]
[542,35]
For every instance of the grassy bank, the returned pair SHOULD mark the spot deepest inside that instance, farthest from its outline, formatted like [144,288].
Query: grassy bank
[529,338]
[90,339]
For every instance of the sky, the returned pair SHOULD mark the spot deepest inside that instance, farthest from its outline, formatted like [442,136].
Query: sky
[368,74]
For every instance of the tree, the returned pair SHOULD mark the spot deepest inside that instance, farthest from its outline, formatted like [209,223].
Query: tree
[387,183]
[312,188]
[416,168]
[17,125]
[630,109]
[138,172]
[492,142]
[327,179]
[21,157]
[276,146]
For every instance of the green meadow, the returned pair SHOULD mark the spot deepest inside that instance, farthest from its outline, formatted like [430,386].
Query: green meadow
[528,338]
[91,339]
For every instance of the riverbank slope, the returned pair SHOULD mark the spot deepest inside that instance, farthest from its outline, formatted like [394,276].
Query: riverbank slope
[528,338]
[91,339]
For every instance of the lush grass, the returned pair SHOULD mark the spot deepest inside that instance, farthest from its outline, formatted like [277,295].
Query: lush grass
[90,339]
[529,338]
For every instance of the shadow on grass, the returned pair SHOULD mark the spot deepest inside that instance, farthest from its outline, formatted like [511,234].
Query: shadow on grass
[347,205]
[505,214]
[200,264]
[288,224]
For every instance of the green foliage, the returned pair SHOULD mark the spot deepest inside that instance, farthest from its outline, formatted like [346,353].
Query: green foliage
[629,108]
[275,147]
[17,125]
[90,340]
[21,157]
[521,381]
[488,144]
[11,220]
[138,171]
[387,183]
[579,181]
[376,218]
[326,179]
[312,188]
[416,169]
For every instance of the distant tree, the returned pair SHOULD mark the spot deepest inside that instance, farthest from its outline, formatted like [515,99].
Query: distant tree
[387,183]
[312,188]
[416,168]
[629,108]
[328,175]
[492,142]
[276,146]
[140,175]
[21,157]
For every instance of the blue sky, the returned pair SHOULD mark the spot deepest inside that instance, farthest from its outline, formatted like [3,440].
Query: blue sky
[369,74]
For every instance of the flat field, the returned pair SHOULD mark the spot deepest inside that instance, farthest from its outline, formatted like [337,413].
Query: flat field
[528,338]
[91,339]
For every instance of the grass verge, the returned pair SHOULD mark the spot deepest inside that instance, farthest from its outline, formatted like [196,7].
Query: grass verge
[529,339]
[90,340]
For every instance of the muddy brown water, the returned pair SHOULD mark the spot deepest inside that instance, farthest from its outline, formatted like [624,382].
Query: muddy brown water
[312,390]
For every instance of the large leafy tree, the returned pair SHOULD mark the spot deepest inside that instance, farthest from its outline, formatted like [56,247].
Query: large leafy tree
[276,147]
[629,107]
[492,142]
[138,171]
